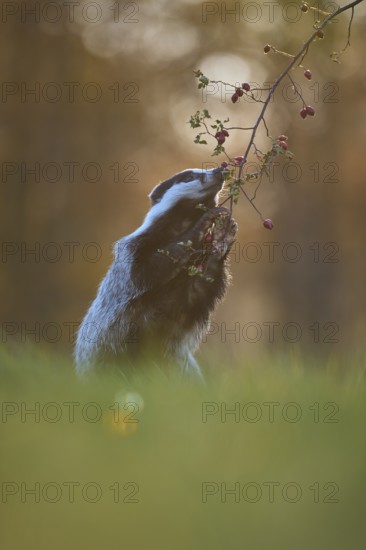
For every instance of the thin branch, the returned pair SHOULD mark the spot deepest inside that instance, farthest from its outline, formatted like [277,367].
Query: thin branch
[256,189]
[251,202]
[239,128]
[349,29]
[265,125]
[286,71]
[296,89]
[336,55]
[303,57]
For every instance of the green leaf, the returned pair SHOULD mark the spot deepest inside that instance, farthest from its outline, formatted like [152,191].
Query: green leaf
[218,150]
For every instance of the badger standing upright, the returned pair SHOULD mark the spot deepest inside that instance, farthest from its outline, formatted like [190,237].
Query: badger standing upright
[165,281]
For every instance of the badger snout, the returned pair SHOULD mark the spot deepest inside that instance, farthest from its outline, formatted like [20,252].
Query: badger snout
[213,178]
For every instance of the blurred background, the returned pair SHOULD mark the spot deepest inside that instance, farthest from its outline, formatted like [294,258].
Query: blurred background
[95,103]
[95,99]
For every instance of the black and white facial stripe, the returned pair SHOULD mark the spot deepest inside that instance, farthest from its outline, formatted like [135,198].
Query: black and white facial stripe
[190,185]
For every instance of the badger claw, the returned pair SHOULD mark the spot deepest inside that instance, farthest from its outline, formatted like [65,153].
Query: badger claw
[222,236]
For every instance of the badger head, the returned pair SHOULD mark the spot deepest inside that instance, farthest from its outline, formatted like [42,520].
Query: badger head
[193,184]
[174,201]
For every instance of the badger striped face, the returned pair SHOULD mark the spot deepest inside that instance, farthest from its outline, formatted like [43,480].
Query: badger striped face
[190,184]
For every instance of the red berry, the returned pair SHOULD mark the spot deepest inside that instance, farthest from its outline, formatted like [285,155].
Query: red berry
[224,164]
[282,137]
[225,133]
[310,111]
[283,145]
[267,48]
[239,91]
[303,112]
[308,74]
[320,34]
[238,159]
[304,8]
[246,86]
[234,98]
[200,267]
[220,137]
[208,238]
[268,224]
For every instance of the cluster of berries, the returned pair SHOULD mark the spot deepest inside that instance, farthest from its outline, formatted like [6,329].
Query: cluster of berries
[239,92]
[307,110]
[282,142]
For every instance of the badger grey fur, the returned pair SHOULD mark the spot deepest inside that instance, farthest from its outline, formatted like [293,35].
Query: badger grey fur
[150,306]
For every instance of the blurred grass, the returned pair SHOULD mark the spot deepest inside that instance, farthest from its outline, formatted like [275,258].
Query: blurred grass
[170,452]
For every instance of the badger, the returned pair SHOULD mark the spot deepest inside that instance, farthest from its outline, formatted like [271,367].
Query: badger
[167,277]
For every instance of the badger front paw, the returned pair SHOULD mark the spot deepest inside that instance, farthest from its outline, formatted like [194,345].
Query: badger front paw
[204,227]
[221,235]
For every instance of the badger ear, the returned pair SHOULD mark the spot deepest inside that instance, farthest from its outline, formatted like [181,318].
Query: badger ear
[161,188]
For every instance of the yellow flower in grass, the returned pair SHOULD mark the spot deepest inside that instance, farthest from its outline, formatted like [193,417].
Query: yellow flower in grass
[123,416]
[120,424]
